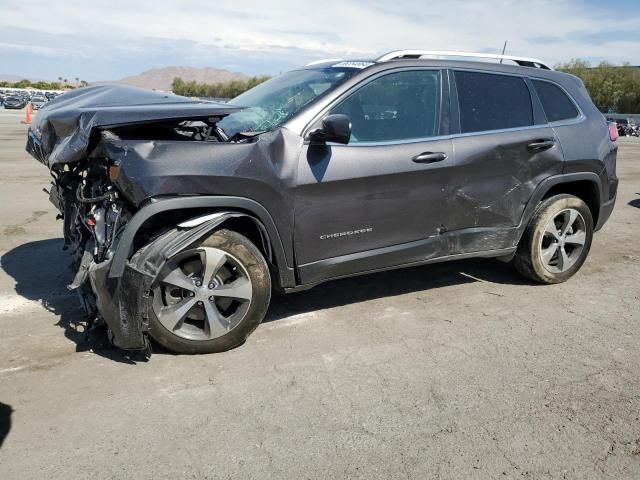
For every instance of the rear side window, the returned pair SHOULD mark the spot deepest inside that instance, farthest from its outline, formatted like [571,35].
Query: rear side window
[557,105]
[492,102]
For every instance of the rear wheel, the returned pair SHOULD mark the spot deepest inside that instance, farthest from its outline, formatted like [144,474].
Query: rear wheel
[210,298]
[557,240]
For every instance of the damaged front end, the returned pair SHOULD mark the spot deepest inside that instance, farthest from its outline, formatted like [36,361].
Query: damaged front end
[71,136]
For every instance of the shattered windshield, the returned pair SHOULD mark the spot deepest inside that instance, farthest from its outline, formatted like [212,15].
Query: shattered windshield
[275,101]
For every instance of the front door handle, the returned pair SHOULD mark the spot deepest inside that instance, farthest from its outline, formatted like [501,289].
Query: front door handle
[542,144]
[430,157]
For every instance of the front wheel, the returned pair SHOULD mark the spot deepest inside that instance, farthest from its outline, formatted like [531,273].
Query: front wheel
[211,297]
[557,240]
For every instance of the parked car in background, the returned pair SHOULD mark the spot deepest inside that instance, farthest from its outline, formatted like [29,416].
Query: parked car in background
[623,126]
[183,215]
[38,101]
[627,128]
[15,101]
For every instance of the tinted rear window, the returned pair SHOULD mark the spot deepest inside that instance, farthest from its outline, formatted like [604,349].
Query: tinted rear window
[557,105]
[492,102]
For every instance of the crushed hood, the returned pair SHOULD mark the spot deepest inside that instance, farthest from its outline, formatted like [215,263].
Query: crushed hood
[62,129]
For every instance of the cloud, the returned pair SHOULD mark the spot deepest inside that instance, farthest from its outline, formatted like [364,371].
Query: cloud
[126,37]
[33,49]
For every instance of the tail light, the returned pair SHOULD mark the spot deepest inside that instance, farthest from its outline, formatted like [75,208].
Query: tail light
[613,131]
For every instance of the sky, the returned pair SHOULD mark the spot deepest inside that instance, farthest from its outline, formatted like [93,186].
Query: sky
[96,40]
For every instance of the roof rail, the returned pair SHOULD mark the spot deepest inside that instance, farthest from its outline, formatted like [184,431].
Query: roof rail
[522,61]
[323,61]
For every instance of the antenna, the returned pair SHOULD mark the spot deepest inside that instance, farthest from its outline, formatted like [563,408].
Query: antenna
[504,48]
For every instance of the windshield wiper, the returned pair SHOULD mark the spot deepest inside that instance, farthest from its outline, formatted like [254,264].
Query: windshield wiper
[240,136]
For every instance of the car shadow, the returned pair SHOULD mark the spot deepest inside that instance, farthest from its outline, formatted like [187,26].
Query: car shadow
[5,421]
[392,283]
[41,272]
[635,202]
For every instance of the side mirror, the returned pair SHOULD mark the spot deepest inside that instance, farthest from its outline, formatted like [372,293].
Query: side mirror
[335,128]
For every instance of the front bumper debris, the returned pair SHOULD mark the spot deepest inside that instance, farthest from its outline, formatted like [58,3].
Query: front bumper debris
[125,303]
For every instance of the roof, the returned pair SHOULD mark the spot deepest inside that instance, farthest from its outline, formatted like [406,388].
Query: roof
[441,58]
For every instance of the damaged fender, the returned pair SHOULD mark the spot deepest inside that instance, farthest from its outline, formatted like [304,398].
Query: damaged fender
[272,240]
[125,303]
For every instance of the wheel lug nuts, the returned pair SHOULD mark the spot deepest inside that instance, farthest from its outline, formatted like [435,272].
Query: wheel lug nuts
[191,294]
[200,303]
[198,283]
[211,285]
[212,298]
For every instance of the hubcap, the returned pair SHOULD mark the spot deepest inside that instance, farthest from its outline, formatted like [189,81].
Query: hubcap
[563,240]
[202,294]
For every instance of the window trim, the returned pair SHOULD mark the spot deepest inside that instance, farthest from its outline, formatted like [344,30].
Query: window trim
[557,123]
[444,120]
[455,104]
[449,108]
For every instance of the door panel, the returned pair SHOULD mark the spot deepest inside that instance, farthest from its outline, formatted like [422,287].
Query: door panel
[352,198]
[504,150]
[496,174]
[390,184]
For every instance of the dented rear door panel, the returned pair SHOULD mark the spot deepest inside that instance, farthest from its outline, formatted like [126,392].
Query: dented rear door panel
[495,175]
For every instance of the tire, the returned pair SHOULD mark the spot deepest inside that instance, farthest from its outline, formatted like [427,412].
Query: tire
[547,255]
[245,260]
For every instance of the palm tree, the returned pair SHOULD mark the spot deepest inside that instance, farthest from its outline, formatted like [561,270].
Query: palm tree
[77,80]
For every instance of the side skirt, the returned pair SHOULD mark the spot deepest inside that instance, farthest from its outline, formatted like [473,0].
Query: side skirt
[468,243]
[504,252]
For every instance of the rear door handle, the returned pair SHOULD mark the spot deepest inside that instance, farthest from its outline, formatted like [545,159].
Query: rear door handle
[542,144]
[430,157]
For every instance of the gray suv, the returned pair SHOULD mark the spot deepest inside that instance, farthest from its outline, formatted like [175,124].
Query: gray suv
[182,215]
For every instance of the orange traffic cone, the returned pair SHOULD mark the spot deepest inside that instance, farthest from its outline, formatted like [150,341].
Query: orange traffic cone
[29,109]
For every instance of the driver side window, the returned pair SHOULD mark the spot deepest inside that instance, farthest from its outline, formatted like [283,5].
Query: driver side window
[395,107]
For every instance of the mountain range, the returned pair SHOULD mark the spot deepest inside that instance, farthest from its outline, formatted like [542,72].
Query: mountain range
[161,78]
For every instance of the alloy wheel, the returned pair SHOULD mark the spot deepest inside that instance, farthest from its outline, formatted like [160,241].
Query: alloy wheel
[563,240]
[202,294]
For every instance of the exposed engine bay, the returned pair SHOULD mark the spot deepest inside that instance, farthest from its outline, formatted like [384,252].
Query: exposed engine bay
[93,214]
[78,148]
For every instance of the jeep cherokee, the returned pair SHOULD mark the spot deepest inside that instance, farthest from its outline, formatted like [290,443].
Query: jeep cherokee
[182,215]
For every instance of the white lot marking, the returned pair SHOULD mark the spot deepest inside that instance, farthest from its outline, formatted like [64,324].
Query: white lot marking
[12,303]
[472,277]
[12,369]
[291,321]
